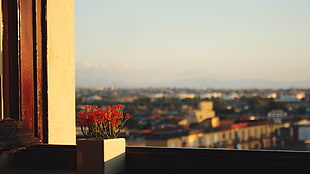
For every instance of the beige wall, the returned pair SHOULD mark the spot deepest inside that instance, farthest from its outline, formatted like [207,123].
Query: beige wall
[192,140]
[206,105]
[215,122]
[174,142]
[61,72]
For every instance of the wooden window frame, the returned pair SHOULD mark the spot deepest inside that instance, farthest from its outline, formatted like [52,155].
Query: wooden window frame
[24,73]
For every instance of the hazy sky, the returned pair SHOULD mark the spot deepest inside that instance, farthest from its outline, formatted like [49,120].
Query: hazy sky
[184,42]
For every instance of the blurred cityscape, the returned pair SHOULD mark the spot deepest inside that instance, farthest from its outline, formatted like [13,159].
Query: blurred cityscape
[209,118]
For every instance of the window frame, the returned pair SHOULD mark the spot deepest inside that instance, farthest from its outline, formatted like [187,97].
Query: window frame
[24,74]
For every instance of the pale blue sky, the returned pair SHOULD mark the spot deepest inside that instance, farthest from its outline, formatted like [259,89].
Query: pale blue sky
[181,42]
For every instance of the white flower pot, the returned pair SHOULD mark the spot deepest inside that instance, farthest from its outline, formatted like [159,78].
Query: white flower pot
[101,156]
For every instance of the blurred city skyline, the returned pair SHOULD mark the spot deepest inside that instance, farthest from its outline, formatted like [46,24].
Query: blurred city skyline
[195,44]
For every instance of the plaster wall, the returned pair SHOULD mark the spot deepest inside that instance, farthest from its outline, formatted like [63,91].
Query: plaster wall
[61,72]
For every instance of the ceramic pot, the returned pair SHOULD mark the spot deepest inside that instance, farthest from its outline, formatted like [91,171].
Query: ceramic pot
[101,156]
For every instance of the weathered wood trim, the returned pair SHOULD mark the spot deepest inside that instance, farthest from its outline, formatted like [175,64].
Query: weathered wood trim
[10,59]
[11,137]
[40,71]
[26,65]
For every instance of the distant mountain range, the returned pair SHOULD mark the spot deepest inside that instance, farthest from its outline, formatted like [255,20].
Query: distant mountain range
[200,83]
[237,84]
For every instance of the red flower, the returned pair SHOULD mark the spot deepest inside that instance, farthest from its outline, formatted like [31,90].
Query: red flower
[87,106]
[119,106]
[108,108]
[127,116]
[102,124]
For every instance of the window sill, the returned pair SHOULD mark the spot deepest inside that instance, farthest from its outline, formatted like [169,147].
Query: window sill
[171,160]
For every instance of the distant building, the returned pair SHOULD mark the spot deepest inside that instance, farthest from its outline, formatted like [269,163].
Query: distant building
[287,99]
[231,96]
[277,115]
[241,136]
[94,98]
[272,95]
[158,95]
[210,95]
[186,95]
[300,95]
[302,130]
[203,112]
